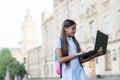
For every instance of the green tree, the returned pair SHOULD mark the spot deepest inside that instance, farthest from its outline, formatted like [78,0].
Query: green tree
[22,70]
[7,60]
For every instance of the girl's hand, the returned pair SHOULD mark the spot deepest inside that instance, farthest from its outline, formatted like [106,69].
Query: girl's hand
[99,52]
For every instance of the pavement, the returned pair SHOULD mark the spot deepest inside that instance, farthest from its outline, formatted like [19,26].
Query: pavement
[108,78]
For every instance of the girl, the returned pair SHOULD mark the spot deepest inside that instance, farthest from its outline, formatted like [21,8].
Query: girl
[71,65]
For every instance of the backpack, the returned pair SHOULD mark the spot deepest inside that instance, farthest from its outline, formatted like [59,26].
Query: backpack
[58,66]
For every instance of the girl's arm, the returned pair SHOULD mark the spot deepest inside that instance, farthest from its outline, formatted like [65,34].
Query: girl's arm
[99,52]
[62,59]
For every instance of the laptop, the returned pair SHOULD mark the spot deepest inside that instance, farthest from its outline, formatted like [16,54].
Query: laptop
[101,41]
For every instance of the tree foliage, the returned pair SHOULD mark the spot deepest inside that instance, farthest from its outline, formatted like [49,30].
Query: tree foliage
[7,60]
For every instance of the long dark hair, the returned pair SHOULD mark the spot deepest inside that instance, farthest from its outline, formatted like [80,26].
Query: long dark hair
[67,23]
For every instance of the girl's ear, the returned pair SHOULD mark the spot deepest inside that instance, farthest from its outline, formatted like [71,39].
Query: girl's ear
[65,29]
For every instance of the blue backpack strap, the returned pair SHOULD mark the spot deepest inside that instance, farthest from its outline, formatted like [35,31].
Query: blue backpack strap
[61,42]
[55,52]
[55,55]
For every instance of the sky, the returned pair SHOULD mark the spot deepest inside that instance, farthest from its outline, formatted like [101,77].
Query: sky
[12,14]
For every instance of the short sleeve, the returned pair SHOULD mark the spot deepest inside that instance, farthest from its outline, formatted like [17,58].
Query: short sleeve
[58,43]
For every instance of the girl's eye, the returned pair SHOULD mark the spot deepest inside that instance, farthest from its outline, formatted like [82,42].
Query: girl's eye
[73,28]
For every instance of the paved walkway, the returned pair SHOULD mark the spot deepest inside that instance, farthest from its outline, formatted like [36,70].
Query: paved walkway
[109,78]
[112,78]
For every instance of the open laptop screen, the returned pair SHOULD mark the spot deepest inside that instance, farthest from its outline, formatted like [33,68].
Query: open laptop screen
[101,41]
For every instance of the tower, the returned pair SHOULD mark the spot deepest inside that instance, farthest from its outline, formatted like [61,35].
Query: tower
[28,36]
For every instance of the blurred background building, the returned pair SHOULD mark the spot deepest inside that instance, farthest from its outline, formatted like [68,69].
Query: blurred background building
[90,16]
[28,40]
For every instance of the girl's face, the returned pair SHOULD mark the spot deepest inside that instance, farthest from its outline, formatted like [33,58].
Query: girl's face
[70,31]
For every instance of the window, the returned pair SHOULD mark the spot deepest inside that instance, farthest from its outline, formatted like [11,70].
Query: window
[82,7]
[93,29]
[119,19]
[114,55]
[24,60]
[108,27]
[65,14]
[108,60]
[83,32]
[73,11]
[59,21]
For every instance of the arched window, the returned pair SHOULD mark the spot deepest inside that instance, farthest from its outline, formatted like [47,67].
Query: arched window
[83,30]
[93,29]
[73,8]
[65,14]
[108,26]
[82,7]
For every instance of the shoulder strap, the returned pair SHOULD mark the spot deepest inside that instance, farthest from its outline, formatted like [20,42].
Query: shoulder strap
[61,42]
[61,64]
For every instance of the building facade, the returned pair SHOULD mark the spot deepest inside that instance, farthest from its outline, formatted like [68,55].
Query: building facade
[90,16]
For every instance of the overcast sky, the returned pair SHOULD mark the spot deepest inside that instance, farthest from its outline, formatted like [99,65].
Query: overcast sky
[12,14]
